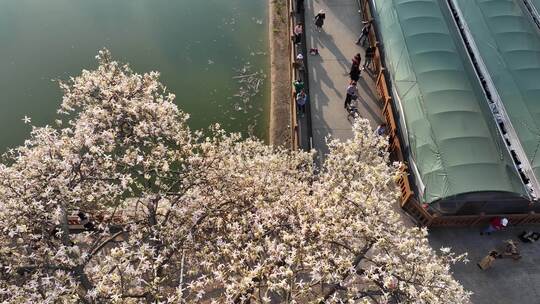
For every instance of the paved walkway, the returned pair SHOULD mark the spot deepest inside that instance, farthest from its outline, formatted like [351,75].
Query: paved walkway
[507,281]
[329,71]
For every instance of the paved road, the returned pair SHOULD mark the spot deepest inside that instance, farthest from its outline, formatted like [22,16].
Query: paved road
[328,72]
[508,281]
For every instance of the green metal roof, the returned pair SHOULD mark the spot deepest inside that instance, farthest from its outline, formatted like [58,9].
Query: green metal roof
[509,44]
[536,3]
[453,140]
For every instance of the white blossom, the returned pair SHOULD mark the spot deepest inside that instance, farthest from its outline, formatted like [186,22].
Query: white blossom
[185,216]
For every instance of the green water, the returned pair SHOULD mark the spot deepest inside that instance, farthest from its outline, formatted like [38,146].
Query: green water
[199,46]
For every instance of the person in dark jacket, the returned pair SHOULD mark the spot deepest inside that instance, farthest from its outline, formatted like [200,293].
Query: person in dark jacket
[319,20]
[355,67]
[370,53]
[356,59]
[355,73]
[365,32]
[298,31]
[301,99]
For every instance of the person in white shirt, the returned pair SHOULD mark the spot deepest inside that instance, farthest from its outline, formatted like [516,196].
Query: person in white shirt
[352,94]
[301,99]
[298,30]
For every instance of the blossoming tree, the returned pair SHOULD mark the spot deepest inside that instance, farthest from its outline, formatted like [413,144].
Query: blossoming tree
[181,217]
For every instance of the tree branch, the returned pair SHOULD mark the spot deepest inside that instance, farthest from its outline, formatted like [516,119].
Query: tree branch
[103,244]
[65,227]
[369,293]
[359,257]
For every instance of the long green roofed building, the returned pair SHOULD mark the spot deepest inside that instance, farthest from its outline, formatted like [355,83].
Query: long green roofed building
[467,100]
[508,43]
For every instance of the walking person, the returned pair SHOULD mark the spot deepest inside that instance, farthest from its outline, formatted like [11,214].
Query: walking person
[496,224]
[352,94]
[299,64]
[355,72]
[370,53]
[298,30]
[298,86]
[301,99]
[319,20]
[365,32]
[356,59]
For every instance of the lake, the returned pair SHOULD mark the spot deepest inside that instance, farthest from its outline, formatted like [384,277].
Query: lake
[213,54]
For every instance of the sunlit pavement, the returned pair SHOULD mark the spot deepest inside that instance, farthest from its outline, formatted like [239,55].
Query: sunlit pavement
[329,71]
[507,281]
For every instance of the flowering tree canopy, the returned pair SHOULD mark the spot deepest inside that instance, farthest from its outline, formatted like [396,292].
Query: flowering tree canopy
[177,216]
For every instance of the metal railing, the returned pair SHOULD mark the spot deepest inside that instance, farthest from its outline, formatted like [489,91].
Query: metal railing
[300,135]
[292,75]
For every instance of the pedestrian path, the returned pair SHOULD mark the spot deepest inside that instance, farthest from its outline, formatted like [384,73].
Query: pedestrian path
[508,281]
[329,72]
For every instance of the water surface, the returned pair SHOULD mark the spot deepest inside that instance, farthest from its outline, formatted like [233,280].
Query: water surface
[199,46]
